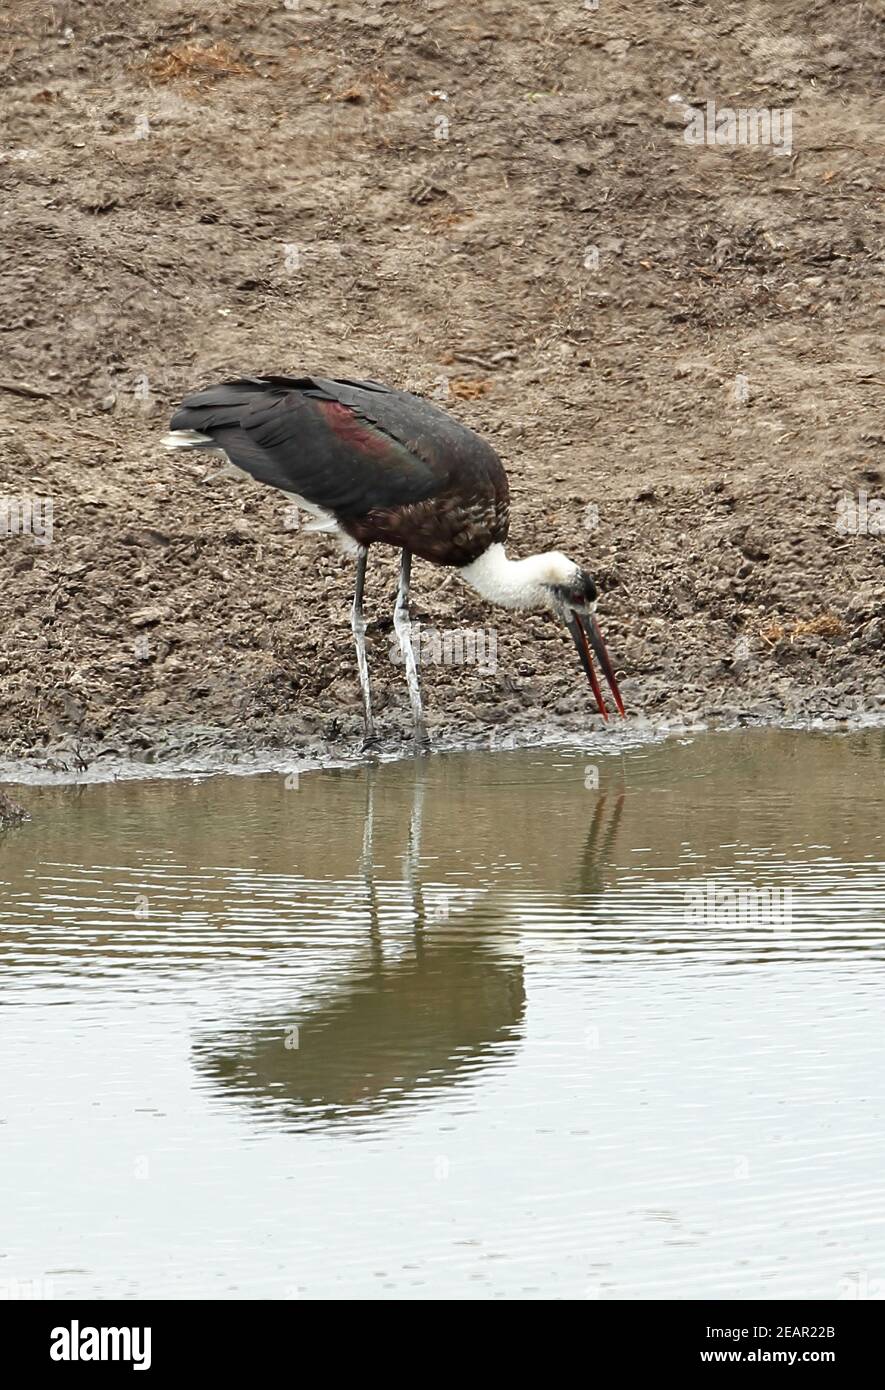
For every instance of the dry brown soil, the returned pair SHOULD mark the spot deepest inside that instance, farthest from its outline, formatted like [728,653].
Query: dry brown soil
[674,348]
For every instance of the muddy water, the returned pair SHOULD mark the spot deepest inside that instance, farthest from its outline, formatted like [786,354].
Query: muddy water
[514,1025]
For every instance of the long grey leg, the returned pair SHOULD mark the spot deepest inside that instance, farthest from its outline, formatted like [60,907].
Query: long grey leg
[358,624]
[403,627]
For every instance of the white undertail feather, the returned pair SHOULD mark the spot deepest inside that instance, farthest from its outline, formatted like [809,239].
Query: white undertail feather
[188,439]
[518,583]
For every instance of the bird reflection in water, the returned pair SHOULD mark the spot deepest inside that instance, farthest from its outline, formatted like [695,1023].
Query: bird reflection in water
[408,1024]
[402,1027]
[600,842]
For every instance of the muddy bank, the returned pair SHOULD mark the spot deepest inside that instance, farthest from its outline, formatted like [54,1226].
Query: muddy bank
[673,348]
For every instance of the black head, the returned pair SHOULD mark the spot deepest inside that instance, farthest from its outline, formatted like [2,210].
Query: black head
[574,598]
[578,594]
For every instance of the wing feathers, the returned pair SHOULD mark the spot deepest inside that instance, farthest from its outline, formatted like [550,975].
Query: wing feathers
[353,448]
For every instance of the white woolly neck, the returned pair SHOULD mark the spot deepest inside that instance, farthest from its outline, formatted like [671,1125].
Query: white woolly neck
[518,583]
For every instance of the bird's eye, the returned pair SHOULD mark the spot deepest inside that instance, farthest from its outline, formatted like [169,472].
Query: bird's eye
[581,592]
[577,595]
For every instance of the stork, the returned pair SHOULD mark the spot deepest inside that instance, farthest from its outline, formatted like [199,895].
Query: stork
[375,465]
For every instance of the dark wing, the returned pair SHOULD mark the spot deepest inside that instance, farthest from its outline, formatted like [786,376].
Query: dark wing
[368,454]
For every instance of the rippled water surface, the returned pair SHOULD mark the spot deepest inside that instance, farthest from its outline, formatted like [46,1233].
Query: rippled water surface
[510,1025]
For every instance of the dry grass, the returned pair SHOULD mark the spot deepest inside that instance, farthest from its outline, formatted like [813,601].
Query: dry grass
[353,94]
[824,625]
[468,388]
[196,62]
[444,218]
[374,87]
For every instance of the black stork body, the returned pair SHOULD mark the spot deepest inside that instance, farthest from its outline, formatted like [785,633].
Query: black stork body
[379,466]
